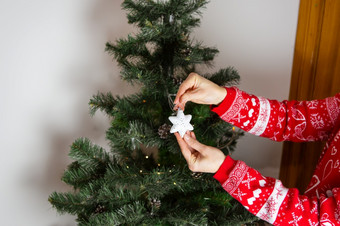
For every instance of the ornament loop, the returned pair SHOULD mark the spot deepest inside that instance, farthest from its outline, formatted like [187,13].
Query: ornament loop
[171,101]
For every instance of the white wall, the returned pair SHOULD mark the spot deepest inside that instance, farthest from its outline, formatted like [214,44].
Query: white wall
[52,61]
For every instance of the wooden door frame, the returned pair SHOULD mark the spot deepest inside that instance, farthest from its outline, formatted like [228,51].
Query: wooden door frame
[316,62]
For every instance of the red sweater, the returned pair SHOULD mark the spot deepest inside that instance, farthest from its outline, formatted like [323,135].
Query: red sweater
[296,121]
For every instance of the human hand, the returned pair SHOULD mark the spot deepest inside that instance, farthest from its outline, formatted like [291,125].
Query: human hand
[200,157]
[198,90]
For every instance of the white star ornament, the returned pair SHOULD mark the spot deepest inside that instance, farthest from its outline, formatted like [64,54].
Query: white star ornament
[181,123]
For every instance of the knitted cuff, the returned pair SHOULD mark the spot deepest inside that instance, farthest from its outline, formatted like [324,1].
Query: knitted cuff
[226,103]
[222,173]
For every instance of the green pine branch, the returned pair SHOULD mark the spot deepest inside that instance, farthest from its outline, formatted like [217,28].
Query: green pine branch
[87,154]
[129,214]
[225,77]
[68,203]
[76,203]
[80,176]
[125,186]
[104,102]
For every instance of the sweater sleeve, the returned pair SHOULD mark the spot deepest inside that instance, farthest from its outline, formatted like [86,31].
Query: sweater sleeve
[269,200]
[287,120]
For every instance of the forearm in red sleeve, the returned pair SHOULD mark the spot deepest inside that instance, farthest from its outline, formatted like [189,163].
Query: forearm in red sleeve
[269,200]
[287,120]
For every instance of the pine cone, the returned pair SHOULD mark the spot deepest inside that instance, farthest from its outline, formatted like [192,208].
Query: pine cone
[186,52]
[100,209]
[155,203]
[163,131]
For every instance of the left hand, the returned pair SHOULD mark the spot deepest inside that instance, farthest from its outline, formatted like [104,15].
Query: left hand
[200,157]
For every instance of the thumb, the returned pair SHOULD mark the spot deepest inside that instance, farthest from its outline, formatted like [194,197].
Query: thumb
[188,96]
[195,144]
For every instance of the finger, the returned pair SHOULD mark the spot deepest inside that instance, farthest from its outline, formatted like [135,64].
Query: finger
[183,146]
[195,144]
[187,84]
[179,105]
[182,89]
[189,95]
[184,99]
[190,148]
[194,95]
[193,135]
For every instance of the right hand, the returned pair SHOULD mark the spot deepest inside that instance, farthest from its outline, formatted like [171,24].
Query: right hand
[200,91]
[200,157]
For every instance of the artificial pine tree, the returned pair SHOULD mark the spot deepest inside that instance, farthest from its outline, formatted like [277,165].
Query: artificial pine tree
[126,186]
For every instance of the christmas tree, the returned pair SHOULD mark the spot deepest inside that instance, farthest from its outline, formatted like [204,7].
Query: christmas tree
[129,185]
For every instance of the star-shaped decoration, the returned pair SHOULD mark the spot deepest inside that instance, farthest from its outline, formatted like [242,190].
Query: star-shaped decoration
[181,123]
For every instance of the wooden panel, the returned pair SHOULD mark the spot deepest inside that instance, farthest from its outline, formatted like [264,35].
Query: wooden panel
[315,75]
[328,74]
[306,48]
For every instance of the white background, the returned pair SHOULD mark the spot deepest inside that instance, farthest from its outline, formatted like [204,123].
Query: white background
[52,61]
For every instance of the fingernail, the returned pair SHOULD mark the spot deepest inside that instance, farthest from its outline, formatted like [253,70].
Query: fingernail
[186,137]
